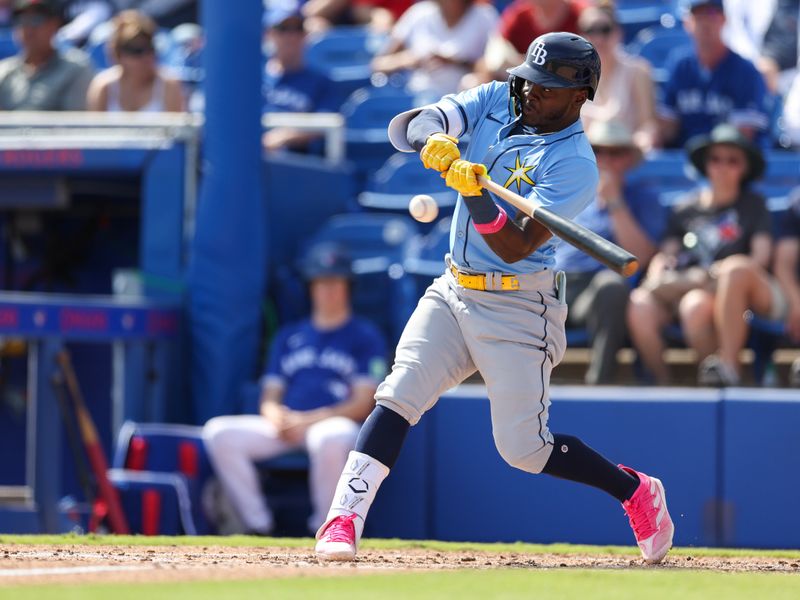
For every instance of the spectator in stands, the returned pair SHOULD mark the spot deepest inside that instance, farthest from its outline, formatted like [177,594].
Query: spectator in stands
[439,42]
[81,17]
[289,84]
[778,53]
[629,215]
[135,83]
[746,23]
[318,386]
[712,265]
[166,13]
[520,23]
[41,77]
[710,84]
[378,14]
[626,91]
[6,13]
[786,267]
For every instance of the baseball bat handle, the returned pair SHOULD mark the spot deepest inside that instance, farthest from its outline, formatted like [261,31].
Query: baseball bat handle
[586,240]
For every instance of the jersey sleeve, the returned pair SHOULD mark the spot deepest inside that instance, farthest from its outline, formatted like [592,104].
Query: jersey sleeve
[648,211]
[566,186]
[668,98]
[459,112]
[273,373]
[370,355]
[788,226]
[750,99]
[762,217]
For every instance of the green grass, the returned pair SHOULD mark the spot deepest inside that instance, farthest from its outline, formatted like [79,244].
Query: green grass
[486,585]
[251,541]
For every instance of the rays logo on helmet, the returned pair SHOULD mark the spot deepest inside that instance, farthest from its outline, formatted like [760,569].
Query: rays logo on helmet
[538,53]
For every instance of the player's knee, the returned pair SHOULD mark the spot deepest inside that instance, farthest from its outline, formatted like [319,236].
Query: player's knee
[217,435]
[530,457]
[336,442]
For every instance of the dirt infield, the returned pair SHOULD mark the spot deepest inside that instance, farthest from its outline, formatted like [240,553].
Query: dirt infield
[68,563]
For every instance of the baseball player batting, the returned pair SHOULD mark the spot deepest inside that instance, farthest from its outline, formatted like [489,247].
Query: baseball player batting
[497,308]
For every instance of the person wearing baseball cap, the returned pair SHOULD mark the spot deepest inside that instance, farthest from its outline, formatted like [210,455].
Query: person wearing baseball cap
[627,214]
[41,77]
[289,83]
[318,385]
[709,83]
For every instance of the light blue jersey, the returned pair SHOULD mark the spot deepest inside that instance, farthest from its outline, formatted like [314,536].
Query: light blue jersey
[556,170]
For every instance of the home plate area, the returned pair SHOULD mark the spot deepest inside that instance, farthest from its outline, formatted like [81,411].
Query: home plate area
[21,563]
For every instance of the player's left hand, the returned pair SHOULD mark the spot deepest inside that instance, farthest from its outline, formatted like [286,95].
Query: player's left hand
[462,176]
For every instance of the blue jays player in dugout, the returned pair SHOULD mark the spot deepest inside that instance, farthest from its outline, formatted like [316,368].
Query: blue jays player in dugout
[497,309]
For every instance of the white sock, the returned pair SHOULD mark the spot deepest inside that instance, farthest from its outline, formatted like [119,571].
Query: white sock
[358,484]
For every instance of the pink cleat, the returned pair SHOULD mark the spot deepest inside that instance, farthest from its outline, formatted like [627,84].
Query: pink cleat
[336,540]
[649,518]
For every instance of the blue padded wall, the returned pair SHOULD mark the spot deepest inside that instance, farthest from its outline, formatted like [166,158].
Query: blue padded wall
[478,497]
[761,468]
[402,508]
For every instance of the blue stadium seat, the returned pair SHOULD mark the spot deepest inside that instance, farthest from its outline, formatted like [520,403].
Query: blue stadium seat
[782,176]
[165,453]
[376,242]
[656,43]
[667,171]
[423,261]
[367,113]
[345,53]
[401,177]
[8,45]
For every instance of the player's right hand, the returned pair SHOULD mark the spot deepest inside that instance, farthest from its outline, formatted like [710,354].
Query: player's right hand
[462,176]
[439,151]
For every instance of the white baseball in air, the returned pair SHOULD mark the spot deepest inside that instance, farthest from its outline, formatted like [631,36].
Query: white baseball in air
[423,208]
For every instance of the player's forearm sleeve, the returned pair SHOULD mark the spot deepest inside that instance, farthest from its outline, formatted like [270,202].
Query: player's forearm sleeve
[482,208]
[426,123]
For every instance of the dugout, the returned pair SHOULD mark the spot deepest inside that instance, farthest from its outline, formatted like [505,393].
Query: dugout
[82,196]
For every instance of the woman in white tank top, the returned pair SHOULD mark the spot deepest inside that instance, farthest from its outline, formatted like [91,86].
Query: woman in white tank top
[135,83]
[626,92]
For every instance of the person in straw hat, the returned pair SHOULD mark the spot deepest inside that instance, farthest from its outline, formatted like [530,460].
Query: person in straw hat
[629,215]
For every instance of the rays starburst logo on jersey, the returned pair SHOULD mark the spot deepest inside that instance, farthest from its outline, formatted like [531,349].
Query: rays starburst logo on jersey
[519,173]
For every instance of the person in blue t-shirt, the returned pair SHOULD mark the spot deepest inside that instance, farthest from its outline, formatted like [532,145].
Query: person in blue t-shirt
[710,84]
[629,215]
[289,85]
[318,387]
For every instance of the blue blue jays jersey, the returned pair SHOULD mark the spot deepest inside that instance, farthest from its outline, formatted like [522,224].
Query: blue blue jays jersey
[318,368]
[304,90]
[556,170]
[733,92]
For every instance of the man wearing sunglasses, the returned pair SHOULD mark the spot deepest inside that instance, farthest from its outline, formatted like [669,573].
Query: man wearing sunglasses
[289,84]
[41,77]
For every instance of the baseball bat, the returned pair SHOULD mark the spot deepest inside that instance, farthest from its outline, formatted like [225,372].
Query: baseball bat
[91,443]
[596,246]
[73,438]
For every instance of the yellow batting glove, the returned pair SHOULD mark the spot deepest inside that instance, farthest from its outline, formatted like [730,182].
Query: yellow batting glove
[462,176]
[439,151]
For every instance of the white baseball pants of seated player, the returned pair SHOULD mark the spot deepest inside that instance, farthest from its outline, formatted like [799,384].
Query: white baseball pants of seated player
[235,443]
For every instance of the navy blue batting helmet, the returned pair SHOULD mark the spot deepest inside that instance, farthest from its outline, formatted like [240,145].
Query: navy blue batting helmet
[557,60]
[327,259]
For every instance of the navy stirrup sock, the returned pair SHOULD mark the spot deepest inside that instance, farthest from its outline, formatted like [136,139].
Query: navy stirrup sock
[572,459]
[382,435]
